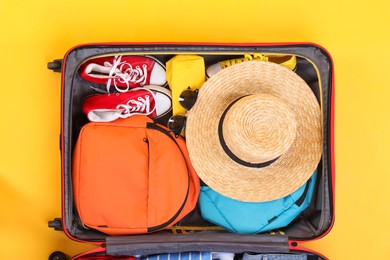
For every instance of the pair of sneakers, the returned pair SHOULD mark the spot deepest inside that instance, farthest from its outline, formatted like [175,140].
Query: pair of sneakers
[139,83]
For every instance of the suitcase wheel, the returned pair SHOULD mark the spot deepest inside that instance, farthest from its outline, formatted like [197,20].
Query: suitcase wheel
[58,255]
[55,65]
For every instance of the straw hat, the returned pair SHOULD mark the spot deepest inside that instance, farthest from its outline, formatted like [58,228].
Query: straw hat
[254,133]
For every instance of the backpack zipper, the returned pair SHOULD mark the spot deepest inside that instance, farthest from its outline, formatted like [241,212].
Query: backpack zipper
[154,126]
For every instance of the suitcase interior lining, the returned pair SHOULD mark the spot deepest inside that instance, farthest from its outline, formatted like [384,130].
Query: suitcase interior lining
[313,66]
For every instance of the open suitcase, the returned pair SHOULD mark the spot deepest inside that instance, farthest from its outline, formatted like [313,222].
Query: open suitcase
[314,65]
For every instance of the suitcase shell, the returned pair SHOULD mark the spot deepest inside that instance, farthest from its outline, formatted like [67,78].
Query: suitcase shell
[315,66]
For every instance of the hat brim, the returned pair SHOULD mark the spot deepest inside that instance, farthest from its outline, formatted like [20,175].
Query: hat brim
[286,174]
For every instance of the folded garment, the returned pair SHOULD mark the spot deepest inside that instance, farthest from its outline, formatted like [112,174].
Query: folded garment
[247,256]
[222,256]
[179,256]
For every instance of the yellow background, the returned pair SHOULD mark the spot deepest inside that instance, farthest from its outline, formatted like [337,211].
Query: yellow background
[32,33]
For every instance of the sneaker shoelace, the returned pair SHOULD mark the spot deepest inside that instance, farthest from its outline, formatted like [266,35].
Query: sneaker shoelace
[247,57]
[139,106]
[124,72]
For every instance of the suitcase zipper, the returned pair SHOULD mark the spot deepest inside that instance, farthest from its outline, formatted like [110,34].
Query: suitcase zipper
[154,126]
[255,47]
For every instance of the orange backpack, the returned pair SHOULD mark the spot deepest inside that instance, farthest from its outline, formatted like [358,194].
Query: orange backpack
[132,176]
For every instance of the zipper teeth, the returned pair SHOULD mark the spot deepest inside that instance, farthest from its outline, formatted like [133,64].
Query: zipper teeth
[146,140]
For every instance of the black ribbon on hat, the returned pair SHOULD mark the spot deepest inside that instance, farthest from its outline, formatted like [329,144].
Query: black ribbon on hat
[229,152]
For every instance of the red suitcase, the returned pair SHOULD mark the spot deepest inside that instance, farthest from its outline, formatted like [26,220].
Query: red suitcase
[314,65]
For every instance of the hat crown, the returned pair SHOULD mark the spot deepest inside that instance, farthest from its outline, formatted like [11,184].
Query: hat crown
[259,128]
